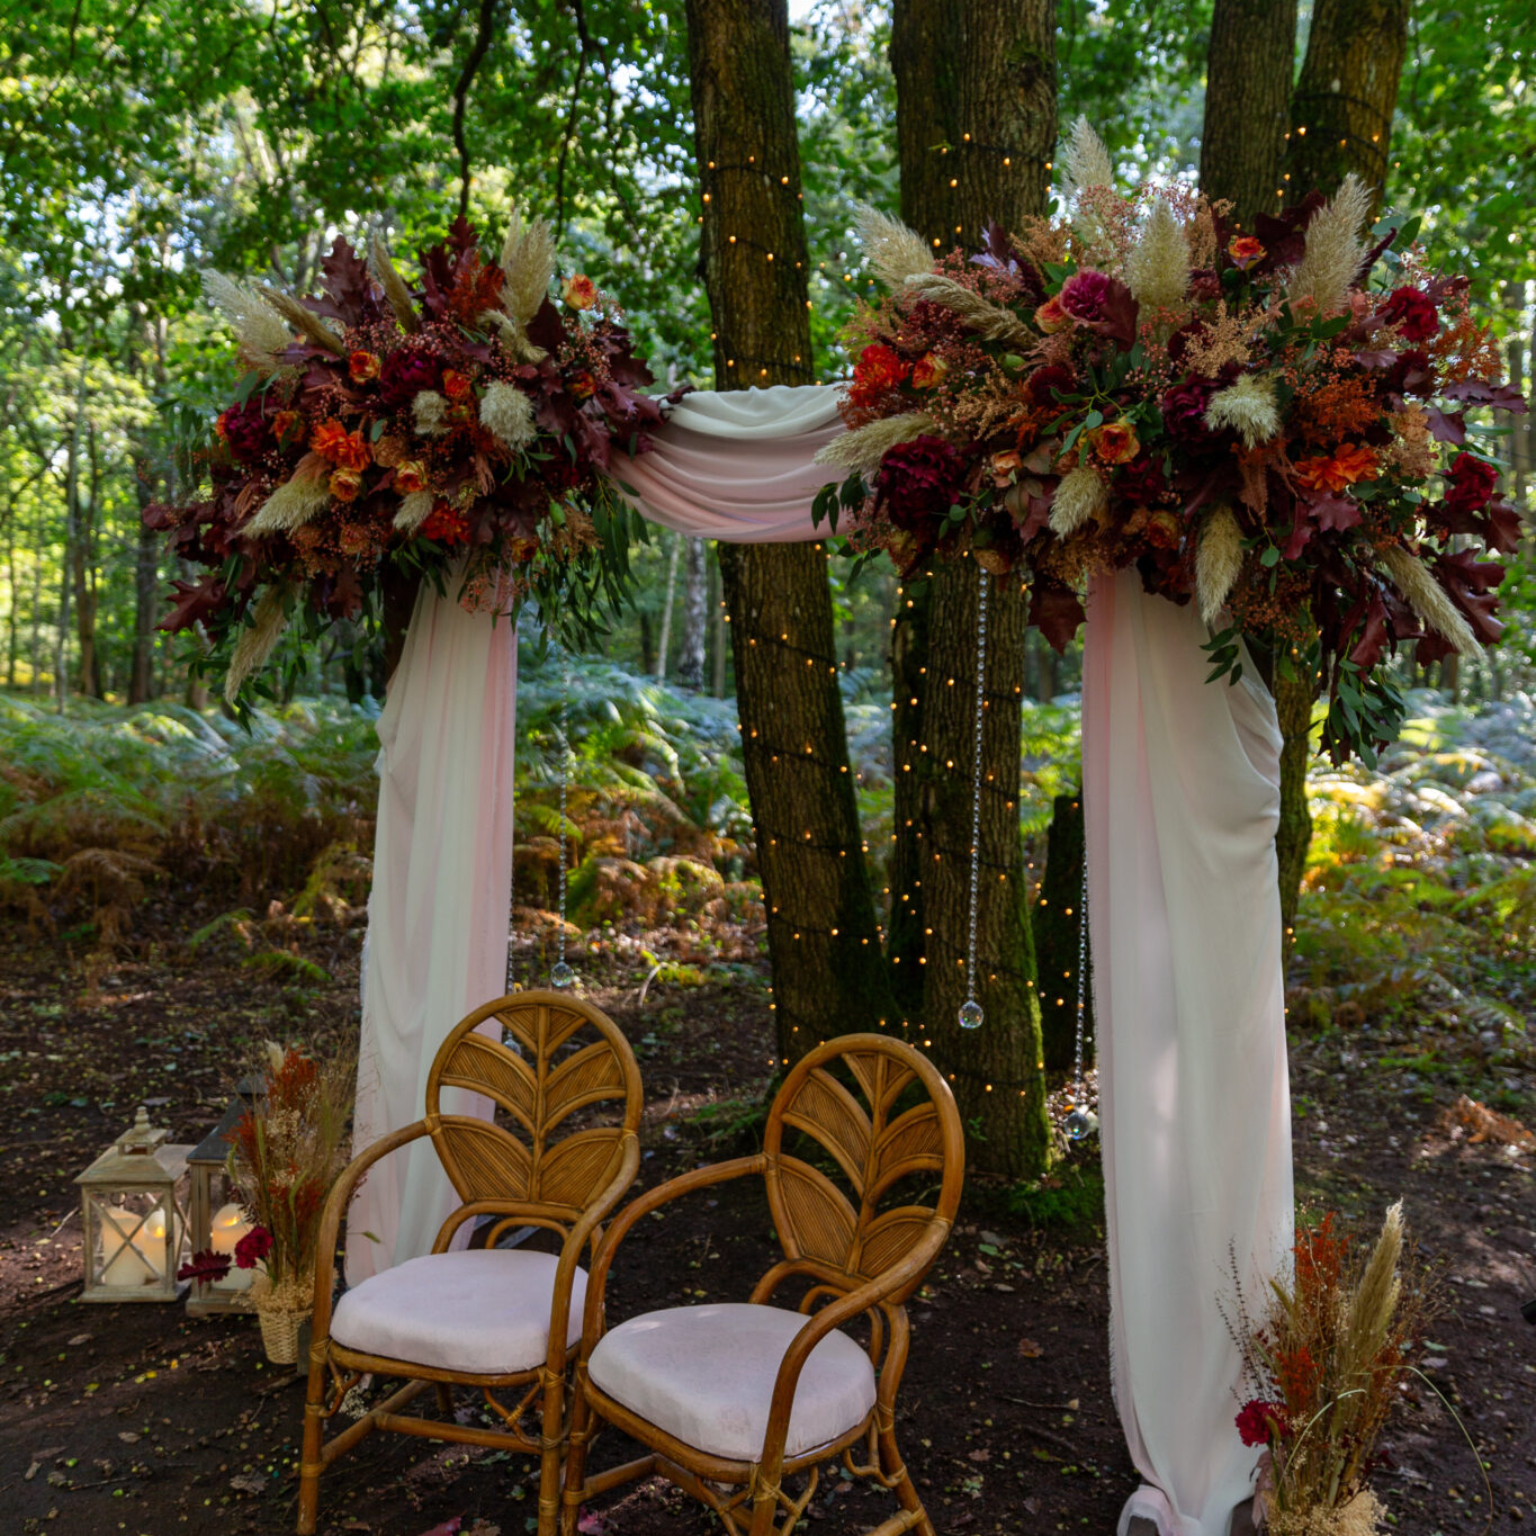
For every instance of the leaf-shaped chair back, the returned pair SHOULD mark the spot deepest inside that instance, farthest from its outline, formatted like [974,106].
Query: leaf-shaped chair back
[549,1057]
[883,1114]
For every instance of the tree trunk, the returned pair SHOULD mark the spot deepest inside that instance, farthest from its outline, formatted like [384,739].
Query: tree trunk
[146,585]
[829,976]
[976,126]
[690,659]
[399,603]
[665,647]
[905,940]
[1341,112]
[1341,121]
[1056,923]
[716,630]
[1251,62]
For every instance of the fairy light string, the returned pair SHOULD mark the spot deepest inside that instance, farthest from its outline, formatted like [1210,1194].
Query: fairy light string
[1080,1120]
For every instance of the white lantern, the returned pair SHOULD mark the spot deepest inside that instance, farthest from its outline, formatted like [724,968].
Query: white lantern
[134,1220]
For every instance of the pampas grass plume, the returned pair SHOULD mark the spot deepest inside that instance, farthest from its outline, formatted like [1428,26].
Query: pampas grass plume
[513,337]
[1157,271]
[1218,562]
[393,284]
[528,260]
[427,410]
[415,509]
[981,315]
[864,447]
[1084,161]
[256,643]
[1417,583]
[1082,495]
[1335,248]
[263,334]
[507,412]
[290,506]
[894,251]
[1248,407]
[312,325]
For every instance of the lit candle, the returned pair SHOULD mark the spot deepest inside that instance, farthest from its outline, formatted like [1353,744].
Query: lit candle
[229,1227]
[138,1256]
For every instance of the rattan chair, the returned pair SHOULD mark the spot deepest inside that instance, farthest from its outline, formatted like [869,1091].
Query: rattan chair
[489,1319]
[731,1400]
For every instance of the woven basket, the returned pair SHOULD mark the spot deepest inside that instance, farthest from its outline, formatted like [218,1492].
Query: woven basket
[280,1333]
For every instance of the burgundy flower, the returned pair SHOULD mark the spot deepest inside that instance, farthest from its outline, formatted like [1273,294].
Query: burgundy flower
[1413,372]
[1412,312]
[404,374]
[205,1266]
[1471,483]
[1085,296]
[1184,408]
[1259,1420]
[1054,376]
[244,428]
[1204,285]
[919,481]
[253,1248]
[1141,482]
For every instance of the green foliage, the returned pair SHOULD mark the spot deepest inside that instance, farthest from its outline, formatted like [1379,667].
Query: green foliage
[1068,1200]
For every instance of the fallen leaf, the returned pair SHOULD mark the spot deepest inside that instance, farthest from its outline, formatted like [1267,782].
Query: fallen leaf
[1029,1349]
[979,1455]
[79,1339]
[248,1482]
[129,1436]
[32,1471]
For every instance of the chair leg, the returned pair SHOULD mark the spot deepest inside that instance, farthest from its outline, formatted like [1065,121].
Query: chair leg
[901,1479]
[581,1428]
[311,1458]
[445,1399]
[552,1443]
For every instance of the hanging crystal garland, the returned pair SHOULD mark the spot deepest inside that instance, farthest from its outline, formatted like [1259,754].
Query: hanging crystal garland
[562,975]
[972,1014]
[1081,1121]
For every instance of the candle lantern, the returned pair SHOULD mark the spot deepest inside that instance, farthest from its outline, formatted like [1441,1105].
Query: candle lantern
[134,1219]
[217,1217]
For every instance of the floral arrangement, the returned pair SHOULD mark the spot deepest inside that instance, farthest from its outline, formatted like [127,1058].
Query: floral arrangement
[1238,416]
[1326,1363]
[287,1152]
[455,424]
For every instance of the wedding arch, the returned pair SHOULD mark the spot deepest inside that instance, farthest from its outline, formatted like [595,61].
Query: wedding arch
[1196,432]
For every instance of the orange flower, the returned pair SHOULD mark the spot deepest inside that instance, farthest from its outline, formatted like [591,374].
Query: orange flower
[582,385]
[1115,442]
[446,525]
[329,439]
[928,370]
[288,427]
[363,366]
[1348,465]
[1164,529]
[579,291]
[1245,250]
[345,484]
[456,385]
[1051,317]
[1005,466]
[410,476]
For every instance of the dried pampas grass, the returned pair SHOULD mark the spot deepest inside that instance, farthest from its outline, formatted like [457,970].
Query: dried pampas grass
[1435,610]
[291,505]
[415,509]
[894,251]
[1248,407]
[513,336]
[1085,163]
[1157,271]
[1080,497]
[1335,248]
[317,329]
[428,410]
[261,331]
[256,643]
[528,260]
[864,447]
[982,316]
[507,412]
[1218,563]
[393,284]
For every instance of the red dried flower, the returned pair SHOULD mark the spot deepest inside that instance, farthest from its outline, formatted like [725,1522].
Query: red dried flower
[1245,250]
[1347,465]
[404,374]
[919,481]
[1471,483]
[205,1266]
[456,385]
[446,525]
[1054,376]
[363,366]
[244,429]
[878,370]
[1412,312]
[1259,1420]
[928,370]
[253,1248]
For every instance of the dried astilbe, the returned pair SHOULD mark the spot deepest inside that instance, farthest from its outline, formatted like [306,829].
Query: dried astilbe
[894,251]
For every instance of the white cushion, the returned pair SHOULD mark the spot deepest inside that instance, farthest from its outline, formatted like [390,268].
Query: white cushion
[705,1375]
[481,1311]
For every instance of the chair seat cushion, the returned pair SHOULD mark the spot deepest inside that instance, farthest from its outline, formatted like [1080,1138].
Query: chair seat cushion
[705,1376]
[481,1311]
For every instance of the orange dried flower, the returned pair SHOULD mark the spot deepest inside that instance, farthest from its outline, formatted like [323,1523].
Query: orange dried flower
[288,427]
[1348,465]
[410,476]
[579,291]
[1245,250]
[928,370]
[346,484]
[1051,317]
[1115,442]
[363,366]
[456,385]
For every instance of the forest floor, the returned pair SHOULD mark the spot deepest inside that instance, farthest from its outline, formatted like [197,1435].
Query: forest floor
[140,1419]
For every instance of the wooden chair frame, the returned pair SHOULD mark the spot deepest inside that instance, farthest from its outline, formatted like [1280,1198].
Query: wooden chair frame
[860,1262]
[569,1192]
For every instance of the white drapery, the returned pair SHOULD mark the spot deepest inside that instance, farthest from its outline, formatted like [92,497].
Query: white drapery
[1181,797]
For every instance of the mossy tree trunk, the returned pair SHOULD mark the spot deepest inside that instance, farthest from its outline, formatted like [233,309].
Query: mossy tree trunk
[1250,64]
[976,126]
[829,975]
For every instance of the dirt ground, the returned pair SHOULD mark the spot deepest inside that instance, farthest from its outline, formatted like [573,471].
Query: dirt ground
[140,1419]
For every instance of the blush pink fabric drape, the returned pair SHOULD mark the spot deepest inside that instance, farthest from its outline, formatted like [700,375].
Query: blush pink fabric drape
[1181,797]
[1181,793]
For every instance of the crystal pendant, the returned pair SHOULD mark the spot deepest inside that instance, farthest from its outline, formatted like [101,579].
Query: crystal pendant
[1079,1124]
[971,1014]
[562,975]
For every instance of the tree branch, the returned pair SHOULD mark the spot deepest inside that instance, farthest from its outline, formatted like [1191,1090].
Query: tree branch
[472,64]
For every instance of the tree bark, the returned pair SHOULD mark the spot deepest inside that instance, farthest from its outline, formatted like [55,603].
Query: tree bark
[146,593]
[829,976]
[1341,111]
[1056,923]
[1250,64]
[664,648]
[690,659]
[976,128]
